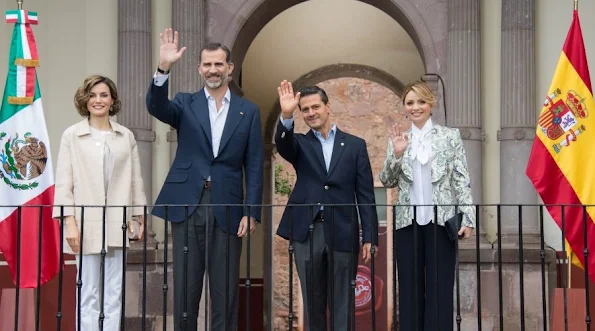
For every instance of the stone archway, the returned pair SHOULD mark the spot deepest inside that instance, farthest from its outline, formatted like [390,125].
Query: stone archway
[236,23]
[329,72]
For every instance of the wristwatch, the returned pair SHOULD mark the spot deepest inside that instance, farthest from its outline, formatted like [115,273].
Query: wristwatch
[163,72]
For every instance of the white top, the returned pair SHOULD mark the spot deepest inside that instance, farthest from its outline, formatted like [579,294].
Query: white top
[108,156]
[421,187]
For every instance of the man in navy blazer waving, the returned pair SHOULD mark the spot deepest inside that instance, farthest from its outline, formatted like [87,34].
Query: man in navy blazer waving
[219,138]
[333,168]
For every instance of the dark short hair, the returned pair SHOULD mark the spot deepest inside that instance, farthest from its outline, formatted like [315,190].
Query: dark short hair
[311,90]
[83,94]
[214,47]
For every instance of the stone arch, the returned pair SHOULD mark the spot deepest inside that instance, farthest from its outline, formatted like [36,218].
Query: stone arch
[237,23]
[329,72]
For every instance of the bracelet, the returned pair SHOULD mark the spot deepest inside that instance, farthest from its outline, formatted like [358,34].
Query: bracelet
[163,72]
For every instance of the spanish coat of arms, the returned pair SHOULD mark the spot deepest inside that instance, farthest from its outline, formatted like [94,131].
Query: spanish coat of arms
[22,159]
[561,122]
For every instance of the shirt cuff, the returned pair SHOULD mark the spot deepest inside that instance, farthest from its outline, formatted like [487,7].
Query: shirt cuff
[287,123]
[160,79]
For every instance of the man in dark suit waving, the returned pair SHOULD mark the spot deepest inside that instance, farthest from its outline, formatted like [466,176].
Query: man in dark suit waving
[332,167]
[219,138]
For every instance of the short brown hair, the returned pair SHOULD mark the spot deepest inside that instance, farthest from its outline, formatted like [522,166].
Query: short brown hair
[82,95]
[422,90]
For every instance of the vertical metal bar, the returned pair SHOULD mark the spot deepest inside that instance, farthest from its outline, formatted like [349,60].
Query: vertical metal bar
[354,232]
[310,277]
[394,267]
[478,266]
[373,282]
[165,286]
[61,273]
[39,258]
[437,295]
[458,279]
[185,275]
[227,248]
[586,264]
[565,274]
[500,302]
[332,268]
[79,282]
[144,294]
[18,272]
[207,275]
[248,281]
[124,239]
[521,268]
[542,256]
[102,272]
[290,251]
[416,325]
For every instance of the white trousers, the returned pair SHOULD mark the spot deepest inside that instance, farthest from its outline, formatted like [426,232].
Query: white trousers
[90,300]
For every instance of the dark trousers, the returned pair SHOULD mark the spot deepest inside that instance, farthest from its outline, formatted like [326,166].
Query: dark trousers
[426,265]
[315,275]
[206,242]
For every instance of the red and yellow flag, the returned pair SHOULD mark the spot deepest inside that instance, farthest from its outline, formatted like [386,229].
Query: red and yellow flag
[563,154]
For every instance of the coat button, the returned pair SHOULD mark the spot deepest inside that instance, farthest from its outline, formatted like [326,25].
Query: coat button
[326,187]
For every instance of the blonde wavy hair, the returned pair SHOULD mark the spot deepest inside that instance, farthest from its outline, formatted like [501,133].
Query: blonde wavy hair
[422,90]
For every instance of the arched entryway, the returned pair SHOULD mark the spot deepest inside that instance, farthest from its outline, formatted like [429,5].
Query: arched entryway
[238,23]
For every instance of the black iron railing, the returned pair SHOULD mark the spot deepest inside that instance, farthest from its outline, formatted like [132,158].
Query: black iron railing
[477,260]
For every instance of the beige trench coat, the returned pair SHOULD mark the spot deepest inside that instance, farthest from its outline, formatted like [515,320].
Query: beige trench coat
[79,181]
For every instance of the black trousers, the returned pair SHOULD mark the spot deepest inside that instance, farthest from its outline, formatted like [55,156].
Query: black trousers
[207,243]
[316,292]
[426,266]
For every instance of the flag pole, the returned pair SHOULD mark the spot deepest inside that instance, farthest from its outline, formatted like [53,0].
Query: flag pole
[570,266]
[575,4]
[20,4]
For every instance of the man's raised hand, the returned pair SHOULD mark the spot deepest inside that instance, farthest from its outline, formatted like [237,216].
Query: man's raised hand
[287,99]
[168,51]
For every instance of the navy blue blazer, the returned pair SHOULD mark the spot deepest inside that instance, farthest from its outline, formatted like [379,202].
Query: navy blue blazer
[349,177]
[241,149]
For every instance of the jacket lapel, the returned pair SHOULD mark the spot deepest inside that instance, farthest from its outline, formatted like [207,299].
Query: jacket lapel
[338,148]
[437,152]
[317,146]
[200,108]
[234,116]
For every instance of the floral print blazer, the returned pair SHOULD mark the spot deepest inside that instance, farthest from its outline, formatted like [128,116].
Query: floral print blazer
[449,174]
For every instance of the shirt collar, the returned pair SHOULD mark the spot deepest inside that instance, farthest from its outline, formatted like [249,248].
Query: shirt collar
[424,130]
[331,132]
[226,97]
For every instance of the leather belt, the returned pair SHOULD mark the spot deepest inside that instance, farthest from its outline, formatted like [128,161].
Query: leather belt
[207,184]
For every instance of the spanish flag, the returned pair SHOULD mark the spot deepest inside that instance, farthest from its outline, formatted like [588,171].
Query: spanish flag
[563,153]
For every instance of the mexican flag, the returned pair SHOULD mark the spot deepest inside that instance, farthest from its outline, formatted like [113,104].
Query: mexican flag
[29,237]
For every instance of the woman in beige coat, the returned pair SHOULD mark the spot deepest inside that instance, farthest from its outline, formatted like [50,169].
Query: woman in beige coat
[98,165]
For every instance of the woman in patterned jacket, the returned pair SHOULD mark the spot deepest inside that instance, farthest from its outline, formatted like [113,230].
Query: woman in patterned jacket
[427,164]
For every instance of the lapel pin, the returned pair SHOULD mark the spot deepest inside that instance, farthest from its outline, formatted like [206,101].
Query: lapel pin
[342,144]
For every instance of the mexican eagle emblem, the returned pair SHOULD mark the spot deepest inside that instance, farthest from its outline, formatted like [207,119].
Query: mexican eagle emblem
[22,160]
[560,122]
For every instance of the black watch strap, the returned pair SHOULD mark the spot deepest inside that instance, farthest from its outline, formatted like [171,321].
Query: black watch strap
[163,72]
